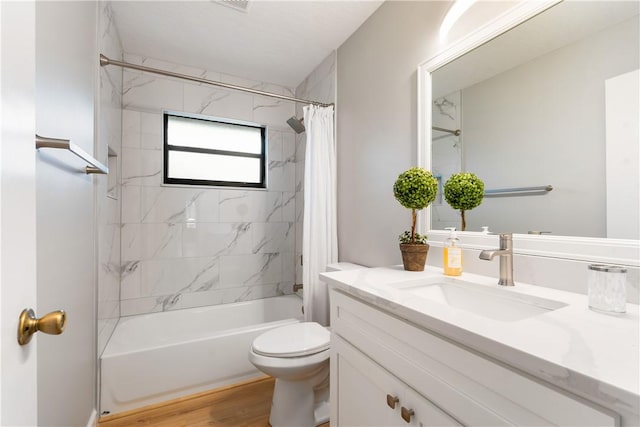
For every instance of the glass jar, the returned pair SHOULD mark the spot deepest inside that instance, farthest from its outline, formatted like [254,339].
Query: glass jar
[607,288]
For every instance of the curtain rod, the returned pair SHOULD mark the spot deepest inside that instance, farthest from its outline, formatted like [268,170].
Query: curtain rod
[107,61]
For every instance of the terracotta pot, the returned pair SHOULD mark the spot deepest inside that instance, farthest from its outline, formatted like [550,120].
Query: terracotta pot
[414,256]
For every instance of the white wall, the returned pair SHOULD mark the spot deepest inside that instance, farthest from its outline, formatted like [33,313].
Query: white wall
[242,244]
[543,122]
[66,80]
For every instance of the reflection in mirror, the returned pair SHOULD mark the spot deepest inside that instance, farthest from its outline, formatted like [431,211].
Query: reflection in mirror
[552,102]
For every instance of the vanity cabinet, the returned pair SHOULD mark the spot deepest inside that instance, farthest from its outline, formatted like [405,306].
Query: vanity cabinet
[381,364]
[368,395]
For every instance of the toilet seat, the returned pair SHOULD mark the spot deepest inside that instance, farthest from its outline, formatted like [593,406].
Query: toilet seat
[296,340]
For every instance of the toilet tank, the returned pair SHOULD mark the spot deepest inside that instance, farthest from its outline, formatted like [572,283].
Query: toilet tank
[342,266]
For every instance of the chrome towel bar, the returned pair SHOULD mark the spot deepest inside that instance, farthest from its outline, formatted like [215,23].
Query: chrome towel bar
[94,165]
[519,191]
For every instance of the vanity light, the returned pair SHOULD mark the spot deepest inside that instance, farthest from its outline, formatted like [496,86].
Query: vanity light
[456,10]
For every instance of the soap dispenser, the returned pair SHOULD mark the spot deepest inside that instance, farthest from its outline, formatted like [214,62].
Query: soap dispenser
[452,254]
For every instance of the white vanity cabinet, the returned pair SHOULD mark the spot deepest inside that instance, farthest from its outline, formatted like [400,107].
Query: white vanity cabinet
[368,395]
[378,358]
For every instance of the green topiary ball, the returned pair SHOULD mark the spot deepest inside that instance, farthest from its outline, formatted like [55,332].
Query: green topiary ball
[464,191]
[415,188]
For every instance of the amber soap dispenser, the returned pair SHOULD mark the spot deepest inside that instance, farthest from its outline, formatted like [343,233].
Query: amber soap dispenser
[452,254]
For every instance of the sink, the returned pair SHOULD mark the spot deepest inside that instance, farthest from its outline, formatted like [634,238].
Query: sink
[492,303]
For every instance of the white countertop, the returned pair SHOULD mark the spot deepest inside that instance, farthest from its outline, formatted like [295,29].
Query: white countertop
[591,354]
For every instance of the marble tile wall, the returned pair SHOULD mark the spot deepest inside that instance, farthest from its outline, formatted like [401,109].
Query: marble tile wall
[320,86]
[193,246]
[108,188]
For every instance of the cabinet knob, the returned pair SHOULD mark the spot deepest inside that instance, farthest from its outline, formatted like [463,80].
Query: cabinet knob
[391,401]
[406,414]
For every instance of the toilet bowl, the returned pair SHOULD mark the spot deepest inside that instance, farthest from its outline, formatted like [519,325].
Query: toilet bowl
[298,357]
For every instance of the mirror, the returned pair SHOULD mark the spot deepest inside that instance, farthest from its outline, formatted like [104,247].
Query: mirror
[549,107]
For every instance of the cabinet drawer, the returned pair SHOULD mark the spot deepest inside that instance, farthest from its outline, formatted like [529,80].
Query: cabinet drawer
[474,389]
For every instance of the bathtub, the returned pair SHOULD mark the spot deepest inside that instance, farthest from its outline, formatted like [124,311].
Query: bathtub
[155,357]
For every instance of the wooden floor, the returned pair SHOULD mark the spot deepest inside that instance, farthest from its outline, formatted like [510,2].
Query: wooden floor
[246,405]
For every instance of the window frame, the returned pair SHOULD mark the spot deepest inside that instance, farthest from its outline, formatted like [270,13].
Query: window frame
[166,148]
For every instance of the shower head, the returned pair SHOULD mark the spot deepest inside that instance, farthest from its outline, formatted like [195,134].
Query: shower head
[296,124]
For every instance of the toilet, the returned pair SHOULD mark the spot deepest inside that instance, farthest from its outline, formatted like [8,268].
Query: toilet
[297,356]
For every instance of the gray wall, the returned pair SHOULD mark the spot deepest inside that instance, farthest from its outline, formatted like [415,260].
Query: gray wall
[377,125]
[377,118]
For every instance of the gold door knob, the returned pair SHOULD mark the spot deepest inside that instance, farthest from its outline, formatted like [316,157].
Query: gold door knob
[391,401]
[406,414]
[52,323]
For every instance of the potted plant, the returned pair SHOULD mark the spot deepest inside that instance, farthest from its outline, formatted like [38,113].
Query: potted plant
[464,191]
[414,189]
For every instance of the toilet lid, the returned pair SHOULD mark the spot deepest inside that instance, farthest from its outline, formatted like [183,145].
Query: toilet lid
[298,339]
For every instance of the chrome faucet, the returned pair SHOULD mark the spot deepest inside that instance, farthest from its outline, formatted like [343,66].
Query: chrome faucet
[506,259]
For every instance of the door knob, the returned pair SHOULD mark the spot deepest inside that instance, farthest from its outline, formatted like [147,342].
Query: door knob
[51,323]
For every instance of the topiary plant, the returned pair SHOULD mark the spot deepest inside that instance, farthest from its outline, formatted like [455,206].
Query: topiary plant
[464,191]
[415,189]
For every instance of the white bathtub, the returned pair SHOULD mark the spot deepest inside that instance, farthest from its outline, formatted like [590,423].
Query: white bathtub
[155,357]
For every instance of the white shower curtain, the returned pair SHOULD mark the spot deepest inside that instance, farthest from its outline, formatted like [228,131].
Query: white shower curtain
[319,236]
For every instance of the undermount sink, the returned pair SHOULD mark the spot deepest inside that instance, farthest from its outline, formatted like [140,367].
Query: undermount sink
[493,303]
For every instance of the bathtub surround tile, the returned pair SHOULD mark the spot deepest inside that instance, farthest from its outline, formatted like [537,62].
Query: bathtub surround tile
[216,239]
[109,136]
[130,280]
[149,241]
[250,206]
[141,167]
[151,131]
[217,102]
[130,129]
[274,145]
[131,204]
[272,112]
[272,237]
[177,276]
[130,307]
[191,246]
[146,92]
[247,270]
[288,207]
[178,205]
[289,147]
[281,176]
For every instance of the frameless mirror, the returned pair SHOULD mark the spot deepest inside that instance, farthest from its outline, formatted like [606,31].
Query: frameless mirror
[546,114]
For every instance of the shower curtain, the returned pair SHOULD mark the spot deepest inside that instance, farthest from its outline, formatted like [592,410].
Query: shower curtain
[319,236]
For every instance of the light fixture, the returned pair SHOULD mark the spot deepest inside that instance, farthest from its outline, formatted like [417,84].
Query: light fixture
[457,9]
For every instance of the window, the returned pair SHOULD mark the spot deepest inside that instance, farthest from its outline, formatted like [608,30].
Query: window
[202,151]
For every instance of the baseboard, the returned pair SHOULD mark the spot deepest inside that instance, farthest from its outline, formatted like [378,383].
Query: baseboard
[93,419]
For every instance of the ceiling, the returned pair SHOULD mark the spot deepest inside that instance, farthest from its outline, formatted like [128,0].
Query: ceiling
[278,42]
